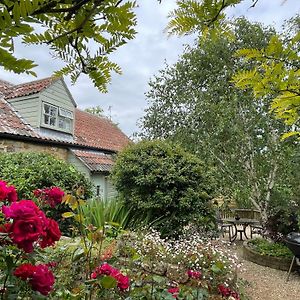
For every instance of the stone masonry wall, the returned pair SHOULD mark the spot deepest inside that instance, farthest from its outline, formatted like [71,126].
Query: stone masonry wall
[7,145]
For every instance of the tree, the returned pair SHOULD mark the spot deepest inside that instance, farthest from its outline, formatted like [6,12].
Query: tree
[164,182]
[195,103]
[96,110]
[276,72]
[68,27]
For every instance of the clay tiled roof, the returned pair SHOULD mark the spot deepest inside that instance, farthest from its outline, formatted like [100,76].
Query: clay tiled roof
[5,86]
[12,123]
[25,89]
[95,162]
[98,132]
[90,131]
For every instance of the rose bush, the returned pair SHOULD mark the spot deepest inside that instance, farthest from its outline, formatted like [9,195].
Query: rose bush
[98,265]
[24,229]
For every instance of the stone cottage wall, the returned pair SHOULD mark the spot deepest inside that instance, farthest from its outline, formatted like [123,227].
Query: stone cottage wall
[7,145]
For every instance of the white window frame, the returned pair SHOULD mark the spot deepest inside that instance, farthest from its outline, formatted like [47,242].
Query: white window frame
[61,114]
[49,115]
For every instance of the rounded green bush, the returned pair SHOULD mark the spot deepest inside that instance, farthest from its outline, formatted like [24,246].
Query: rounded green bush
[31,171]
[163,180]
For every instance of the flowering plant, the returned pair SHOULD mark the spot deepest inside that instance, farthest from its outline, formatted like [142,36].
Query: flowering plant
[24,230]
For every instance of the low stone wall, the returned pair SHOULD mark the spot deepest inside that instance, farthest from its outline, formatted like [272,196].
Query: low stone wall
[7,145]
[265,260]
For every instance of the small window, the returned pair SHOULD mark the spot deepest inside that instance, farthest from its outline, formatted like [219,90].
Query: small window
[64,123]
[50,115]
[65,113]
[98,190]
[57,117]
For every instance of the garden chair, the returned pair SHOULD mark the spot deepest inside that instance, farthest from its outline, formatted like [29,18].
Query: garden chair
[256,229]
[224,227]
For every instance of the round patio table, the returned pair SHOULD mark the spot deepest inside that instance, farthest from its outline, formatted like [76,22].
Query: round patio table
[242,230]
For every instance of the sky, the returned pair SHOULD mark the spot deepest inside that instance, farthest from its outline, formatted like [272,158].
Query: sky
[142,58]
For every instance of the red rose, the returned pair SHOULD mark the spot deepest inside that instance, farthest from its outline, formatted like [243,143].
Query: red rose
[51,234]
[123,281]
[174,291]
[55,196]
[52,196]
[42,280]
[28,223]
[194,274]
[24,232]
[224,291]
[3,190]
[22,209]
[106,269]
[12,195]
[25,271]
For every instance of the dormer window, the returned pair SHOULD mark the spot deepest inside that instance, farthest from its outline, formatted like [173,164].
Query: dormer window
[57,117]
[50,115]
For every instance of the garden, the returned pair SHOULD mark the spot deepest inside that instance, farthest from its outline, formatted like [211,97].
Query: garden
[221,123]
[158,240]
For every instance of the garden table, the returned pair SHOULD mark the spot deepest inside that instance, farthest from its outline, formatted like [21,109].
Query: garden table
[244,223]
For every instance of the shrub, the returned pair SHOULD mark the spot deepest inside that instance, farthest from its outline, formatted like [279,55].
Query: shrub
[168,182]
[32,171]
[266,247]
[283,218]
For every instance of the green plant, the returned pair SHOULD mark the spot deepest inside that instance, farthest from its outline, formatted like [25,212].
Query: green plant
[32,171]
[164,181]
[270,248]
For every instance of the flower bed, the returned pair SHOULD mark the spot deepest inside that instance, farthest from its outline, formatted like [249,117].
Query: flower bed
[277,257]
[36,264]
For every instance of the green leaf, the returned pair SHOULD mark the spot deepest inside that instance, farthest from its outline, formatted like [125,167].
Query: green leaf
[108,282]
[68,214]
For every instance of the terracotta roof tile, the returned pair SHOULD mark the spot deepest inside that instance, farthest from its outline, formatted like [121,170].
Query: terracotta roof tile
[95,162]
[5,86]
[12,123]
[90,131]
[98,132]
[25,89]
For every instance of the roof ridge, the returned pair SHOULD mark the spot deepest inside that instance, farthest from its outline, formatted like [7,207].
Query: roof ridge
[35,81]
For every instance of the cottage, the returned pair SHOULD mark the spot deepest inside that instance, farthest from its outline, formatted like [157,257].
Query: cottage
[42,116]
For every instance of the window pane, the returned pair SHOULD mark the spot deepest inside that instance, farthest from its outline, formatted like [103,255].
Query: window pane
[46,108]
[46,119]
[53,111]
[52,121]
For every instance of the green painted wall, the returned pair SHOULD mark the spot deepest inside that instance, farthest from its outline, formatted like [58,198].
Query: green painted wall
[28,108]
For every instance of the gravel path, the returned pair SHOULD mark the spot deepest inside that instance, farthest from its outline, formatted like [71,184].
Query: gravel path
[269,284]
[264,283]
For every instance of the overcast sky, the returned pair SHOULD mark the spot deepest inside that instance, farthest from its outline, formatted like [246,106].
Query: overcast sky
[142,57]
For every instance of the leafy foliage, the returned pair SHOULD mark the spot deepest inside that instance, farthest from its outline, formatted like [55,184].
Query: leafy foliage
[198,16]
[68,28]
[276,72]
[31,171]
[194,103]
[166,181]
[266,247]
